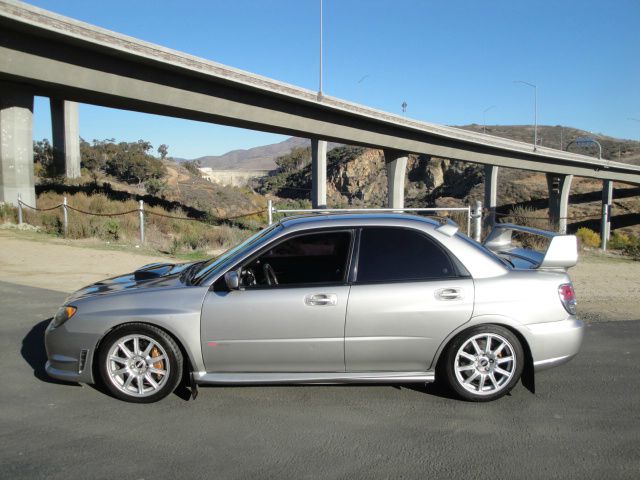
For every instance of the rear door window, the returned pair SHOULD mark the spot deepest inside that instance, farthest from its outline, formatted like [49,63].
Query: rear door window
[400,254]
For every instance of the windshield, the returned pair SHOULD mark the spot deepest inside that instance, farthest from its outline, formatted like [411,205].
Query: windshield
[230,255]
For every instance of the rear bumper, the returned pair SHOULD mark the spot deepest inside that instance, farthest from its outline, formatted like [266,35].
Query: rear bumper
[554,343]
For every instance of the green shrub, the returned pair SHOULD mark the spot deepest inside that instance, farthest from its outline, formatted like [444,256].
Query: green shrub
[8,213]
[619,241]
[633,251]
[588,238]
[111,230]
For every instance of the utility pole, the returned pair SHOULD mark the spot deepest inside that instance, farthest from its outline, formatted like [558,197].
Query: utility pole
[484,114]
[634,119]
[535,112]
[320,85]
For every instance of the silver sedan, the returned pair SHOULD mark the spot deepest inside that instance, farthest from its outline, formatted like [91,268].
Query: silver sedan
[325,299]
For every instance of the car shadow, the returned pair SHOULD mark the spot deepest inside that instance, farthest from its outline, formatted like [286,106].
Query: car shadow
[35,355]
[433,389]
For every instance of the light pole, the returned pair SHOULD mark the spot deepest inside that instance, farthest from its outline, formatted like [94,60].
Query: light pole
[320,86]
[484,114]
[584,141]
[634,119]
[535,112]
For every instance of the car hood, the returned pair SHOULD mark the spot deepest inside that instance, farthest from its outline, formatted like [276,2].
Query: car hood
[154,275]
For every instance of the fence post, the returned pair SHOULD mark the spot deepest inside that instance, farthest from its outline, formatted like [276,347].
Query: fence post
[141,213]
[469,220]
[65,216]
[478,221]
[604,230]
[270,211]
[19,209]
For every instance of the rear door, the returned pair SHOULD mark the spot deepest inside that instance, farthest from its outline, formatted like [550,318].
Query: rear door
[408,295]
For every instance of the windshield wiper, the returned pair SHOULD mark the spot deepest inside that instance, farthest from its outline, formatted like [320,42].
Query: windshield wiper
[189,272]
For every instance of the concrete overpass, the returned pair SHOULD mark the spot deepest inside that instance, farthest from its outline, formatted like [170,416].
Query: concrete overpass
[42,53]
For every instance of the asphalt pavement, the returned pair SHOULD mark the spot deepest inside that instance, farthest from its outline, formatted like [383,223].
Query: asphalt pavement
[582,422]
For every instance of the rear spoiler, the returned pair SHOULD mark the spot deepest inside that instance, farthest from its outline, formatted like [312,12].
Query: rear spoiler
[561,253]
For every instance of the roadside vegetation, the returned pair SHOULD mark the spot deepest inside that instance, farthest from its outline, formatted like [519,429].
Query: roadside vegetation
[207,218]
[620,242]
[166,235]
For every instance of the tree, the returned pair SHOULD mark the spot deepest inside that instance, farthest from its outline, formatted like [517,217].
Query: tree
[155,186]
[91,158]
[294,160]
[192,167]
[132,163]
[163,150]
[43,158]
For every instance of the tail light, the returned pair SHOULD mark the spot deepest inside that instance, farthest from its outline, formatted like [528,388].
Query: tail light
[567,297]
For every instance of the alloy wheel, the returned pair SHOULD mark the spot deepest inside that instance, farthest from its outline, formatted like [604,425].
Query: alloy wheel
[485,364]
[138,365]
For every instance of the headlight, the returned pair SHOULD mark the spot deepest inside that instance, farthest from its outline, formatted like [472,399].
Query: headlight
[63,314]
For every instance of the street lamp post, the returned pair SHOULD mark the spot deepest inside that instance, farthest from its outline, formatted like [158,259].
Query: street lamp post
[320,85]
[484,114]
[634,119]
[584,141]
[535,111]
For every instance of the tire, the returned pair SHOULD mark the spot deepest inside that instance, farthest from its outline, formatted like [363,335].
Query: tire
[478,374]
[140,363]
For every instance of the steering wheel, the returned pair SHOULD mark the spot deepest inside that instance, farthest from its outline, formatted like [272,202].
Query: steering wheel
[269,274]
[247,277]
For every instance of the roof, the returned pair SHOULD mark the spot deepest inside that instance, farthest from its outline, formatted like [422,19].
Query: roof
[350,219]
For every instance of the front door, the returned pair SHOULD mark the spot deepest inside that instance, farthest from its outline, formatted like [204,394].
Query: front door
[289,314]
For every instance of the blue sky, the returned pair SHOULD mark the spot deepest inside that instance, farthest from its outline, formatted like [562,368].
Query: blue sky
[449,60]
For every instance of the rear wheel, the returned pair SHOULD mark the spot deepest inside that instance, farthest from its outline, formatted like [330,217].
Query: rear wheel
[484,363]
[140,363]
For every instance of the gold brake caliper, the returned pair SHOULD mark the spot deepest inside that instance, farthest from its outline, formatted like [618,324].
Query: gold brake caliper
[159,365]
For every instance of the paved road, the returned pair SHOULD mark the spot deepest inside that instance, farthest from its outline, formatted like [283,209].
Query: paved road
[583,422]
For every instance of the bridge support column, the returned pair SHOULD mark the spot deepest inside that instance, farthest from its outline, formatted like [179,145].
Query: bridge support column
[396,167]
[66,137]
[318,173]
[607,200]
[16,146]
[559,187]
[490,194]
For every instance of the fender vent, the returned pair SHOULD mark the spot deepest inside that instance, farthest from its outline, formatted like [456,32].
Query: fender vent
[82,362]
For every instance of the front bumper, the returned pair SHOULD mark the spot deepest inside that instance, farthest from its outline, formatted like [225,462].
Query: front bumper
[554,343]
[70,354]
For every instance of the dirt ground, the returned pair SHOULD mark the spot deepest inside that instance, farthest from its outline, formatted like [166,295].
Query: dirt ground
[607,287]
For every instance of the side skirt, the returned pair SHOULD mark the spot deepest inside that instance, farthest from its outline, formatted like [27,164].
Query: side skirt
[233,378]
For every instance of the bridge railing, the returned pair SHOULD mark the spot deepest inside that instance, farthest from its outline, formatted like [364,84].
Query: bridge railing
[472,215]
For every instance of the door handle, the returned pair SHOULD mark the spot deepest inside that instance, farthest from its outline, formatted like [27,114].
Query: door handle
[321,299]
[449,294]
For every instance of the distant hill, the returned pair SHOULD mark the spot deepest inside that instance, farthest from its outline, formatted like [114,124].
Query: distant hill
[616,149]
[263,158]
[258,158]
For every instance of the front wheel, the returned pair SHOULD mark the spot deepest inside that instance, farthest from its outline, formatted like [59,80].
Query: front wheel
[484,363]
[140,363]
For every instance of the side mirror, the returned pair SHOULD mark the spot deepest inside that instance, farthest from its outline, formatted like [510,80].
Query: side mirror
[232,279]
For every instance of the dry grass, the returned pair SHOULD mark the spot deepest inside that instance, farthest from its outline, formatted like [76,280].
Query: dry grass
[164,234]
[528,217]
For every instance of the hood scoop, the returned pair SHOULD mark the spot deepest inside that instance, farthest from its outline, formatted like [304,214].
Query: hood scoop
[153,270]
